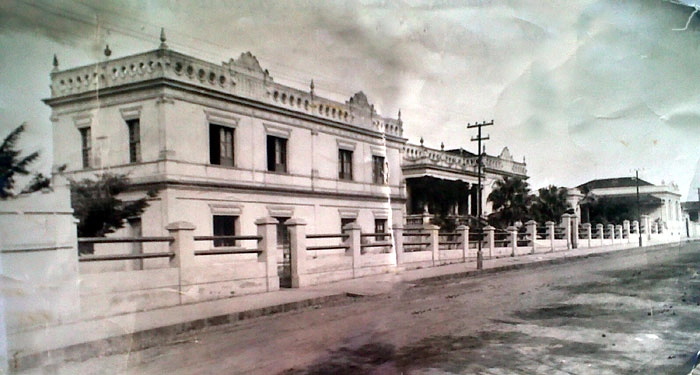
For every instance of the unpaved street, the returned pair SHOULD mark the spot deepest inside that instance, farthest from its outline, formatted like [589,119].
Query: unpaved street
[634,312]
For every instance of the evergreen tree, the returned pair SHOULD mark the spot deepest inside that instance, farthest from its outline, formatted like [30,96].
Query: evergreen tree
[12,164]
[98,209]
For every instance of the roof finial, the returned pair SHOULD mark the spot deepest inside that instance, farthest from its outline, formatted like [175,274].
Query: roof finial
[312,88]
[442,146]
[399,114]
[421,141]
[162,38]
[55,62]
[108,52]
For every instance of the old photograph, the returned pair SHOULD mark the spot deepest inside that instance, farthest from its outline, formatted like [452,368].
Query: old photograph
[349,187]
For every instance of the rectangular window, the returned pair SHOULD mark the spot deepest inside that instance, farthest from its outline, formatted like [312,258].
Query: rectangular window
[378,169]
[344,222]
[282,232]
[345,164]
[276,154]
[224,225]
[85,138]
[380,227]
[220,145]
[134,140]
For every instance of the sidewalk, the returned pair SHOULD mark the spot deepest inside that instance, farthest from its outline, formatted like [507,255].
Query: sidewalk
[135,331]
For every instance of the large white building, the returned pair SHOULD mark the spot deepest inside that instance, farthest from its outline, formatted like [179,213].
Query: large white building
[224,144]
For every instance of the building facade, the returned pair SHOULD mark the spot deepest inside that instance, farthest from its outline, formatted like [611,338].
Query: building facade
[225,144]
[616,199]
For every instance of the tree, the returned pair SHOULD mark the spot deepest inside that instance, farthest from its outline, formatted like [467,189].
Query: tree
[99,211]
[511,202]
[550,204]
[12,164]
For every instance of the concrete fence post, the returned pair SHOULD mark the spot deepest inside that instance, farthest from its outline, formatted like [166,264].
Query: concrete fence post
[566,221]
[183,248]
[531,227]
[618,232]
[463,232]
[513,235]
[635,227]
[354,242]
[434,239]
[574,231]
[550,234]
[646,230]
[611,229]
[587,228]
[490,233]
[654,228]
[267,229]
[626,230]
[398,243]
[297,250]
[601,233]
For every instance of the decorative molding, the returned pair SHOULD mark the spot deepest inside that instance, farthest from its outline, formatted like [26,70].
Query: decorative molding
[347,213]
[83,121]
[277,131]
[221,118]
[280,211]
[380,214]
[378,150]
[131,113]
[346,145]
[227,209]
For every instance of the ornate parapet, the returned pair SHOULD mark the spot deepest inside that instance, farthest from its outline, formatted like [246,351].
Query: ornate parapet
[415,155]
[242,78]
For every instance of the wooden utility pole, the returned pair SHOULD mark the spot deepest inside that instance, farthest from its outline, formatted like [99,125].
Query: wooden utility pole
[479,229]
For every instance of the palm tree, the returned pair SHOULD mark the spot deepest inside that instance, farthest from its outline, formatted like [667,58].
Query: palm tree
[510,199]
[11,163]
[550,204]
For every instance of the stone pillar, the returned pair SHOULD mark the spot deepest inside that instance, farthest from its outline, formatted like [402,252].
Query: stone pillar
[354,242]
[566,221]
[618,232]
[513,235]
[550,234]
[626,230]
[182,247]
[611,230]
[532,234]
[297,250]
[463,232]
[398,243]
[635,227]
[587,228]
[434,239]
[489,232]
[574,231]
[601,233]
[646,230]
[267,229]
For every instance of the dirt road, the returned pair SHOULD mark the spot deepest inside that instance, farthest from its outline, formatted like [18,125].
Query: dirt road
[626,313]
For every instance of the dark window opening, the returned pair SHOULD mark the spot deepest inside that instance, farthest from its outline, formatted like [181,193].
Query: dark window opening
[345,221]
[134,140]
[276,154]
[345,164]
[378,169]
[221,145]
[380,227]
[86,146]
[282,232]
[224,225]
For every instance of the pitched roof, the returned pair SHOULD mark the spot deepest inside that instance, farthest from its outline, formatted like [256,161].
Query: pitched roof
[612,182]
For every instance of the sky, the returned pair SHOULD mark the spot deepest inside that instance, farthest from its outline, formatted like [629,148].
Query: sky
[582,89]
